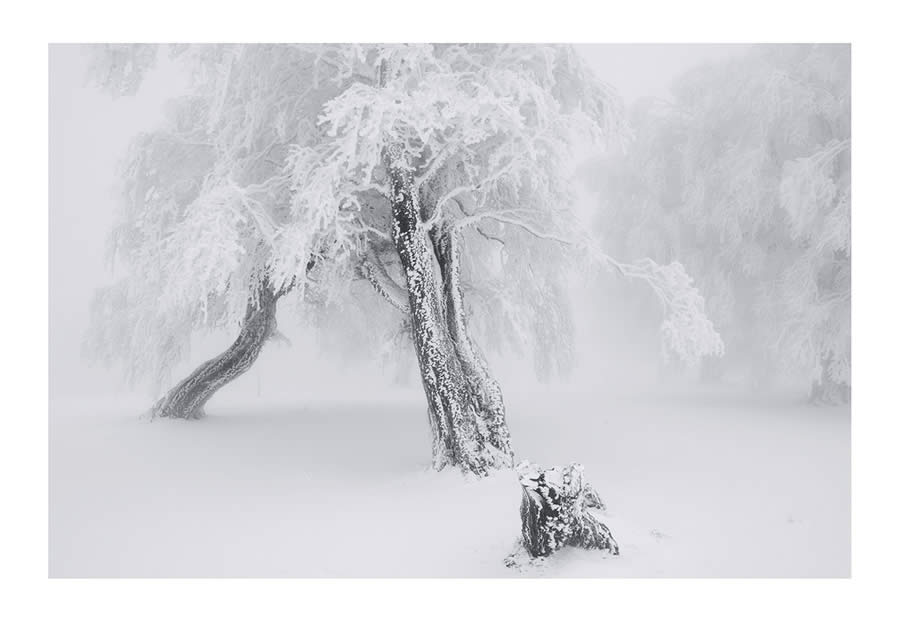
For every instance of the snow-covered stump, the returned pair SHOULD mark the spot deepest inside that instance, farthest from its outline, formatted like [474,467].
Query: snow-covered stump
[556,511]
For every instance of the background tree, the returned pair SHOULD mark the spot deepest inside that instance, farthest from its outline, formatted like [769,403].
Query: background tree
[745,177]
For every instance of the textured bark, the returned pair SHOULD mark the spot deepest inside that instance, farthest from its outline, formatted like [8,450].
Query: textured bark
[484,387]
[188,398]
[460,436]
[557,509]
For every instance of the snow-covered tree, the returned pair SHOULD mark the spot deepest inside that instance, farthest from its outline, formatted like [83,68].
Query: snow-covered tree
[206,230]
[465,151]
[439,173]
[745,177]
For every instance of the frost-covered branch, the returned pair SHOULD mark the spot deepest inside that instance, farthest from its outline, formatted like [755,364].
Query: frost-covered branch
[374,271]
[507,217]
[686,330]
[435,164]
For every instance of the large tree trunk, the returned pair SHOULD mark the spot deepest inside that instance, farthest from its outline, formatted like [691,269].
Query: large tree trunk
[187,399]
[484,387]
[460,436]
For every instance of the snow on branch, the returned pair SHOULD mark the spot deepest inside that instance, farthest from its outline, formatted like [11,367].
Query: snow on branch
[686,331]
[374,271]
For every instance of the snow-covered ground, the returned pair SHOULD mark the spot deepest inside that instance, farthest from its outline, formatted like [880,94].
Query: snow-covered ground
[715,485]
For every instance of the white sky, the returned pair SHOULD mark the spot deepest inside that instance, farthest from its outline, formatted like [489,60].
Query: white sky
[89,131]
[640,69]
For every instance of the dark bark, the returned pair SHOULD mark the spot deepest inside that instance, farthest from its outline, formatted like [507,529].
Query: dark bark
[556,511]
[188,398]
[482,384]
[460,436]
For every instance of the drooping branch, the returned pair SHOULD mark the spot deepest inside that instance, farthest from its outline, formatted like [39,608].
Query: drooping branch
[686,330]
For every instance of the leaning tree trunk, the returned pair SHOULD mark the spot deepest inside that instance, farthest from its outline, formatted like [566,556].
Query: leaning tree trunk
[556,511]
[460,436]
[484,387]
[187,399]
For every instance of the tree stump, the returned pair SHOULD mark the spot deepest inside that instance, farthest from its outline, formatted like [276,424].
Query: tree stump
[556,511]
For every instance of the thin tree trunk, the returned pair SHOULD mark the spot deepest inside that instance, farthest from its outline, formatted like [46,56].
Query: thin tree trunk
[482,384]
[460,437]
[188,398]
